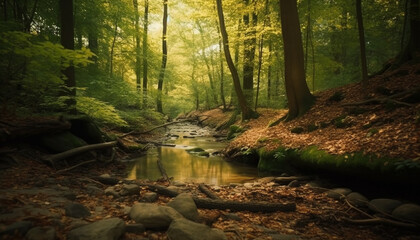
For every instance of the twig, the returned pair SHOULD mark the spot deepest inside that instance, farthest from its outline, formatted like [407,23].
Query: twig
[377,220]
[75,166]
[163,171]
[204,189]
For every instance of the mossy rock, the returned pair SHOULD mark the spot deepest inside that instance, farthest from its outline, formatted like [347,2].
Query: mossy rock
[204,154]
[234,131]
[86,129]
[341,122]
[312,127]
[61,142]
[195,150]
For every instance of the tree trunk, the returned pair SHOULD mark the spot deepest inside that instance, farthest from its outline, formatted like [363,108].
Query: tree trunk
[362,42]
[137,36]
[145,60]
[247,112]
[270,48]
[67,40]
[249,54]
[298,96]
[260,53]
[164,57]
[412,48]
[222,72]
[111,58]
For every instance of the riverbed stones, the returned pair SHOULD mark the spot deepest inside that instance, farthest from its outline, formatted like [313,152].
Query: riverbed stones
[409,212]
[153,216]
[110,191]
[383,205]
[107,229]
[357,199]
[338,193]
[184,204]
[150,197]
[76,210]
[183,229]
[130,189]
[20,228]
[41,233]
[136,228]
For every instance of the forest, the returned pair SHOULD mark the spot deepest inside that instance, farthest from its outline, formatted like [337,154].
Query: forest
[198,119]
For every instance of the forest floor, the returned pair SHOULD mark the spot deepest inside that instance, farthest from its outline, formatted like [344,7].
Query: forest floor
[385,127]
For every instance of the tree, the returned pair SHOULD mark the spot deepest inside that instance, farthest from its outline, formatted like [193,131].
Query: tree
[362,41]
[412,48]
[164,57]
[145,60]
[247,112]
[137,36]
[250,43]
[298,96]
[67,40]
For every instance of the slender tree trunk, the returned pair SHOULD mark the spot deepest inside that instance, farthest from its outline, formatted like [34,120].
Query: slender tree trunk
[138,50]
[362,42]
[67,40]
[111,58]
[222,72]
[164,57]
[270,48]
[298,96]
[247,112]
[260,53]
[5,10]
[250,43]
[145,60]
[206,61]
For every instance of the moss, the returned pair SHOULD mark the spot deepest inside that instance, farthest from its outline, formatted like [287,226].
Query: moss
[277,161]
[372,132]
[341,122]
[312,127]
[234,131]
[195,150]
[61,142]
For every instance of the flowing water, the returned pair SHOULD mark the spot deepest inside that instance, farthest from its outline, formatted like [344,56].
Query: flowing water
[189,167]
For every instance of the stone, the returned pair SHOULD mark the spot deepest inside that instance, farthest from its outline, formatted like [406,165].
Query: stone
[126,210]
[107,179]
[107,229]
[294,184]
[76,210]
[137,228]
[76,223]
[184,204]
[183,229]
[338,193]
[409,212]
[41,233]
[20,228]
[266,179]
[153,216]
[150,197]
[179,184]
[357,199]
[248,185]
[110,191]
[384,205]
[233,185]
[174,188]
[93,190]
[130,189]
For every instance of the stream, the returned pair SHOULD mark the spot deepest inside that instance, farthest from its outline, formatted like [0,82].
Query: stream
[185,166]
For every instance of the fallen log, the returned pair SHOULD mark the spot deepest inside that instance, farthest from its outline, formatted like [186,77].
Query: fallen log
[76,151]
[228,204]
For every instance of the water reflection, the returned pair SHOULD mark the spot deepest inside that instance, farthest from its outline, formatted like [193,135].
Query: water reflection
[187,167]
